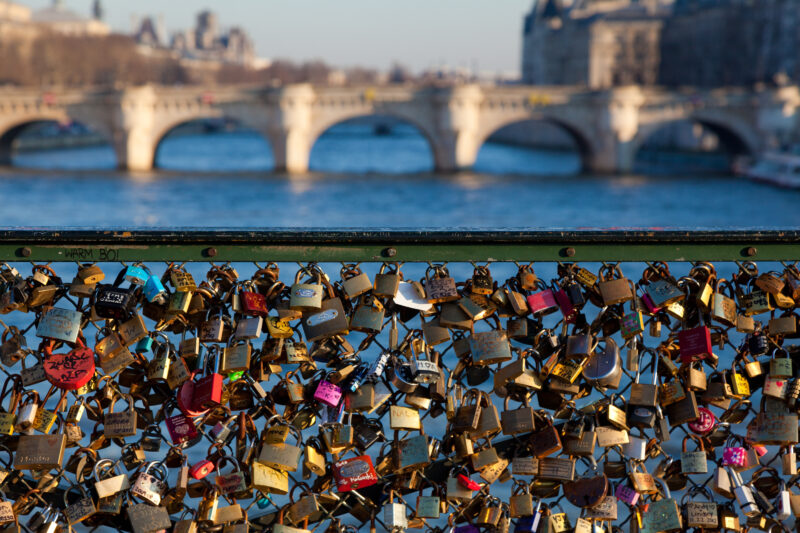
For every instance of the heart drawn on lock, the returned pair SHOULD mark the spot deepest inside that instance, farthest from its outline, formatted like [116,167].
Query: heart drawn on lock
[72,370]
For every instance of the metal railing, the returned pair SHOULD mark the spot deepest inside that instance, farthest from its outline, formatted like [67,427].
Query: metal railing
[322,245]
[19,246]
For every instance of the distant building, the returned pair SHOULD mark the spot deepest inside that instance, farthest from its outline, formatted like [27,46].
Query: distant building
[205,43]
[598,43]
[61,20]
[10,12]
[706,43]
[147,34]
[731,42]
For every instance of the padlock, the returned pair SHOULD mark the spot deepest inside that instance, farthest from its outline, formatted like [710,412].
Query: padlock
[282,456]
[439,286]
[26,411]
[150,483]
[107,482]
[354,281]
[743,494]
[694,462]
[123,423]
[613,286]
[387,283]
[80,509]
[207,391]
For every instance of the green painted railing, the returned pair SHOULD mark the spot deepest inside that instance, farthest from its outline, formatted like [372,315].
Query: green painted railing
[191,244]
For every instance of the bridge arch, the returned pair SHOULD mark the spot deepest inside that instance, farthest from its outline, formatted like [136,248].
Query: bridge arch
[579,133]
[11,130]
[258,148]
[432,149]
[736,135]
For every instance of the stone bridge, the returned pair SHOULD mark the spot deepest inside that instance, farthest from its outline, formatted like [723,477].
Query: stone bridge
[607,126]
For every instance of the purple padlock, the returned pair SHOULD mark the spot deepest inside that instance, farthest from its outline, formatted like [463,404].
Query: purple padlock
[328,393]
[627,495]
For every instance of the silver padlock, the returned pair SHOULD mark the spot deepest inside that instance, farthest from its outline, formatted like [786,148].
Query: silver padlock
[394,514]
[424,370]
[222,430]
[149,487]
[51,524]
[784,503]
[26,412]
[743,494]
[635,448]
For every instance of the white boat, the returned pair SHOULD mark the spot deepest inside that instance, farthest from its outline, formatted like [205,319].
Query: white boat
[776,168]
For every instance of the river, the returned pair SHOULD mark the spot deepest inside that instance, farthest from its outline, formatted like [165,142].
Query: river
[359,179]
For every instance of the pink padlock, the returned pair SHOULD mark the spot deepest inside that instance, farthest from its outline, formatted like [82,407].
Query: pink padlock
[734,456]
[649,304]
[627,495]
[328,393]
[564,303]
[704,423]
[760,450]
[542,302]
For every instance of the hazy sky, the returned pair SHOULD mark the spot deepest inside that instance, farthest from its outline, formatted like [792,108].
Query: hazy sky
[419,33]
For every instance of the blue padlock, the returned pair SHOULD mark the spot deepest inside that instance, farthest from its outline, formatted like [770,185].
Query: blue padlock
[154,290]
[136,274]
[144,345]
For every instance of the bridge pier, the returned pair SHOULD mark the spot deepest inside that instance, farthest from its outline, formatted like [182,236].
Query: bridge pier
[614,159]
[135,151]
[291,150]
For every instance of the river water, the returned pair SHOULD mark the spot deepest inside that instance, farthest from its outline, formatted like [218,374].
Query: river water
[359,179]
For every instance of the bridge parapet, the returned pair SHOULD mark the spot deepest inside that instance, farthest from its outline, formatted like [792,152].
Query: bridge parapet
[608,126]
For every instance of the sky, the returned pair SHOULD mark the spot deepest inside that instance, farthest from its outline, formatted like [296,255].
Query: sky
[484,35]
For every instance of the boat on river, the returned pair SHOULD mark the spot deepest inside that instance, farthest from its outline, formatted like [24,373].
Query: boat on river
[776,168]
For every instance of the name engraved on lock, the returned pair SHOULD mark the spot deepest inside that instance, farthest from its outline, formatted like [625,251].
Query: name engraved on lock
[304,293]
[319,318]
[702,514]
[231,483]
[122,424]
[32,376]
[149,488]
[112,297]
[6,512]
[79,510]
[62,324]
[355,473]
[97,254]
[773,428]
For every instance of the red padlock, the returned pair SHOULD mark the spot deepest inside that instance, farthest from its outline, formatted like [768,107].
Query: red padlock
[253,303]
[208,389]
[69,371]
[185,399]
[201,469]
[465,481]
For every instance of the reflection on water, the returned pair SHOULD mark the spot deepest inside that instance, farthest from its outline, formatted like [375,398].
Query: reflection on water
[367,191]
